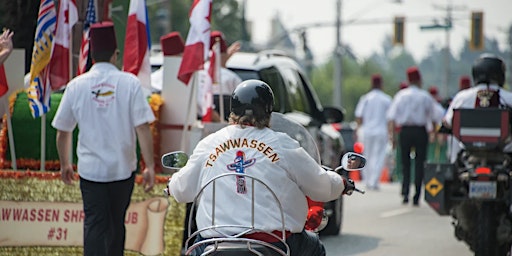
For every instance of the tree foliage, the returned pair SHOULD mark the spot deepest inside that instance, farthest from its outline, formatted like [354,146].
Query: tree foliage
[172,15]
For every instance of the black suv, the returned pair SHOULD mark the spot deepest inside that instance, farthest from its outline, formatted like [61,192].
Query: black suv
[295,98]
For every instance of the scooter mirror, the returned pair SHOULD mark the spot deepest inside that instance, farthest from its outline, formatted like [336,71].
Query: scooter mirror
[353,161]
[174,160]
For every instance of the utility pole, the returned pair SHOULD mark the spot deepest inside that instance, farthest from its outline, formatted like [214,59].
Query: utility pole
[338,64]
[447,27]
[510,52]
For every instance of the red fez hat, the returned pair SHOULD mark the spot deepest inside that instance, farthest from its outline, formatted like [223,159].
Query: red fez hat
[403,85]
[464,82]
[413,74]
[433,90]
[172,44]
[358,147]
[376,81]
[102,37]
[217,35]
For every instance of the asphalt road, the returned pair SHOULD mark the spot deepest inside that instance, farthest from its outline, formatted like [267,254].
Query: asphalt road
[377,224]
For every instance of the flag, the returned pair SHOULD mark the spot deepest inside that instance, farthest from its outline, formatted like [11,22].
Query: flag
[204,95]
[60,62]
[4,87]
[212,68]
[213,72]
[84,62]
[39,89]
[137,43]
[198,40]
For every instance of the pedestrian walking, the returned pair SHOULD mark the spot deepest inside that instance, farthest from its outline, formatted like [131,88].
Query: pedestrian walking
[110,109]
[371,121]
[411,109]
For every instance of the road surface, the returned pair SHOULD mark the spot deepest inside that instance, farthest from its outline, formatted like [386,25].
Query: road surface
[377,224]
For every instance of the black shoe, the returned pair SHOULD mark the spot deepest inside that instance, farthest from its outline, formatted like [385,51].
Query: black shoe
[416,200]
[406,200]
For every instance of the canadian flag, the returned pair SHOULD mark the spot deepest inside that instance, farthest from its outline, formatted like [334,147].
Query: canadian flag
[137,43]
[4,87]
[198,40]
[60,61]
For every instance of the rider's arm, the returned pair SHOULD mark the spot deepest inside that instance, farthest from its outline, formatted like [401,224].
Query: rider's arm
[184,184]
[313,180]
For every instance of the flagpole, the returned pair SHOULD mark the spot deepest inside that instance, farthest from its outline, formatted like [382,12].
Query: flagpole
[10,134]
[218,79]
[70,69]
[184,137]
[43,141]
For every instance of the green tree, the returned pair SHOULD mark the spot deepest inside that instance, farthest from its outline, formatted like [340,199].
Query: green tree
[226,17]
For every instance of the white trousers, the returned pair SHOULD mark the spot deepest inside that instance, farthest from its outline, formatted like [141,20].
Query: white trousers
[375,153]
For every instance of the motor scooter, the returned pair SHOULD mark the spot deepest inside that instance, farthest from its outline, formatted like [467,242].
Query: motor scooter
[476,189]
[233,239]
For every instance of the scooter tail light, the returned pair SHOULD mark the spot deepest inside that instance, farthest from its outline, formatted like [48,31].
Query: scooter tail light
[483,170]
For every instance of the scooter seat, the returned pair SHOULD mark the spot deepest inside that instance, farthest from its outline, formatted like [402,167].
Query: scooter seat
[240,249]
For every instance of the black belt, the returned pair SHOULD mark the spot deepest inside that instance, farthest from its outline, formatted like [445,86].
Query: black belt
[413,126]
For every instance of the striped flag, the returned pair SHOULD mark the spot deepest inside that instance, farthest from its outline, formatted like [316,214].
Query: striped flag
[137,43]
[60,62]
[198,40]
[4,87]
[84,62]
[39,89]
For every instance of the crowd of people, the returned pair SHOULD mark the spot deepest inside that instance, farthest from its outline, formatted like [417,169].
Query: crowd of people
[407,121]
[413,117]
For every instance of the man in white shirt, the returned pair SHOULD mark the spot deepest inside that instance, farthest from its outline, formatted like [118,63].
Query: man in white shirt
[228,79]
[370,115]
[411,110]
[109,108]
[489,77]
[273,157]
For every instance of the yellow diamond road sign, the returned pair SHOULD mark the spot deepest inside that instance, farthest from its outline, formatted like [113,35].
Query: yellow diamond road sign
[433,186]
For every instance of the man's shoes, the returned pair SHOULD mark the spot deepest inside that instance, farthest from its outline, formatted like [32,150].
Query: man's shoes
[416,200]
[406,200]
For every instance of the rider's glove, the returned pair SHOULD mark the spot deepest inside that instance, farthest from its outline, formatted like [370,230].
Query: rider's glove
[349,186]
[314,219]
[166,190]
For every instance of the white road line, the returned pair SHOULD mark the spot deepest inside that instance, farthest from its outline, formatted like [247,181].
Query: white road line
[395,212]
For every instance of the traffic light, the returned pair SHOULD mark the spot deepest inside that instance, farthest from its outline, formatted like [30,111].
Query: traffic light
[477,31]
[399,27]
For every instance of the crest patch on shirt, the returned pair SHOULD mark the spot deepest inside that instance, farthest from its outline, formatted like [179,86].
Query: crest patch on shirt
[239,167]
[103,94]
[487,98]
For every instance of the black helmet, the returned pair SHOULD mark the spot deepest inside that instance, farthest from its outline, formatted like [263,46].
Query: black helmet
[252,97]
[489,68]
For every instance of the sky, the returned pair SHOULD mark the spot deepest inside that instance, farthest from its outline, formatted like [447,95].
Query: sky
[367,22]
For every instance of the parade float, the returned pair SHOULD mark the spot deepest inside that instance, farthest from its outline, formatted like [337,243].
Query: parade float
[40,215]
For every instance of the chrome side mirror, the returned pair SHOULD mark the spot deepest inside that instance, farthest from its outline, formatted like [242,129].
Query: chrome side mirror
[174,160]
[353,161]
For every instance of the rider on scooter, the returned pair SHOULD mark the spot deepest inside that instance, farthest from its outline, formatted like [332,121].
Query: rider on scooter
[271,156]
[488,73]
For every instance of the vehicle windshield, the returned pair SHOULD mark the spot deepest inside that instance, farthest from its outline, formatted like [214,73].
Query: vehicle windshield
[279,122]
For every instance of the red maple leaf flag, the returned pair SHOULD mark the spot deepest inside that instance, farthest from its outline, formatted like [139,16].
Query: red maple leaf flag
[60,61]
[137,44]
[198,40]
[4,87]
